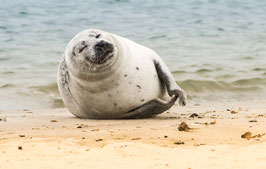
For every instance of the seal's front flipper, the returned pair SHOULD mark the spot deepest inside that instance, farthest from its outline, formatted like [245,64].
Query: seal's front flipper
[169,81]
[150,108]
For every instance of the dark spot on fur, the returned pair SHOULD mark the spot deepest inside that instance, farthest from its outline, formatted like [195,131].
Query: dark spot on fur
[137,68]
[142,100]
[83,42]
[73,53]
[115,104]
[125,75]
[138,86]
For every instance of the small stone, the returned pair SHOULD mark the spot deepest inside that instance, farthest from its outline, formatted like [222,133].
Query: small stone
[213,122]
[179,142]
[20,147]
[98,139]
[183,127]
[82,126]
[95,130]
[21,135]
[246,135]
[253,121]
[54,121]
[136,138]
[3,119]
[194,115]
[234,112]
[260,135]
[197,145]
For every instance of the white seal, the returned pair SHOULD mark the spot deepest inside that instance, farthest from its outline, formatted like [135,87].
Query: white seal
[105,76]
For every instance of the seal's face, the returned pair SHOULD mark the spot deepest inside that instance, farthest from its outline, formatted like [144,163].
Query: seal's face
[92,51]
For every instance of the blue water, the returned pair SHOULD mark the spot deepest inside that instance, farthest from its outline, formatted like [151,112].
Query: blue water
[216,49]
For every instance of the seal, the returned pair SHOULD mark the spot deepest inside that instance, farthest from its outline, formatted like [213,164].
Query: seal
[105,76]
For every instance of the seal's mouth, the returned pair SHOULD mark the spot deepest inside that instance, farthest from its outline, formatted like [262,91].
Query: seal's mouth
[103,52]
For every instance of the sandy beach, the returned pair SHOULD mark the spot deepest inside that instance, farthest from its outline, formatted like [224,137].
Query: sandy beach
[56,139]
[215,51]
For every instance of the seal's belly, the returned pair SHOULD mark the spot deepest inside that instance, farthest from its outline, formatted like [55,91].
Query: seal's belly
[132,85]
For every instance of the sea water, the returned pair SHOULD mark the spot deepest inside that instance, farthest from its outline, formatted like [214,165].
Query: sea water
[216,49]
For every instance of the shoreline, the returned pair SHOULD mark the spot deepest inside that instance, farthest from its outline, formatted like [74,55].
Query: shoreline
[34,137]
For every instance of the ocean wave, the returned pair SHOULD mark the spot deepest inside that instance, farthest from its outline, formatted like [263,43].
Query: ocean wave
[157,37]
[194,89]
[4,59]
[51,92]
[205,86]
[48,88]
[203,70]
[190,85]
[258,69]
[7,86]
[179,72]
[199,71]
[8,72]
[250,82]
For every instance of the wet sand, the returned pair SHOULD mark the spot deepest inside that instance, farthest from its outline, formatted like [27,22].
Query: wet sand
[57,139]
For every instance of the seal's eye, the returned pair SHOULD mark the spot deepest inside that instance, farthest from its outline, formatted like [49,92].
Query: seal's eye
[82,48]
[97,36]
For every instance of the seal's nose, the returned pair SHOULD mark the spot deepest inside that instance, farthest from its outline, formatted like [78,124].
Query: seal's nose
[103,50]
[104,45]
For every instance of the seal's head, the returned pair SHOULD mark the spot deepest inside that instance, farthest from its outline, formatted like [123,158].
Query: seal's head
[91,51]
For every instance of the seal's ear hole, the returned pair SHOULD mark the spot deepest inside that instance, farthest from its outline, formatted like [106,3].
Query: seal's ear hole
[97,36]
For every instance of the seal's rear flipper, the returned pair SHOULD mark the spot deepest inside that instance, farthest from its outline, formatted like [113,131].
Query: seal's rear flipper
[151,108]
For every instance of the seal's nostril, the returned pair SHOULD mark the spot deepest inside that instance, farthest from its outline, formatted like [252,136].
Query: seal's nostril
[100,44]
